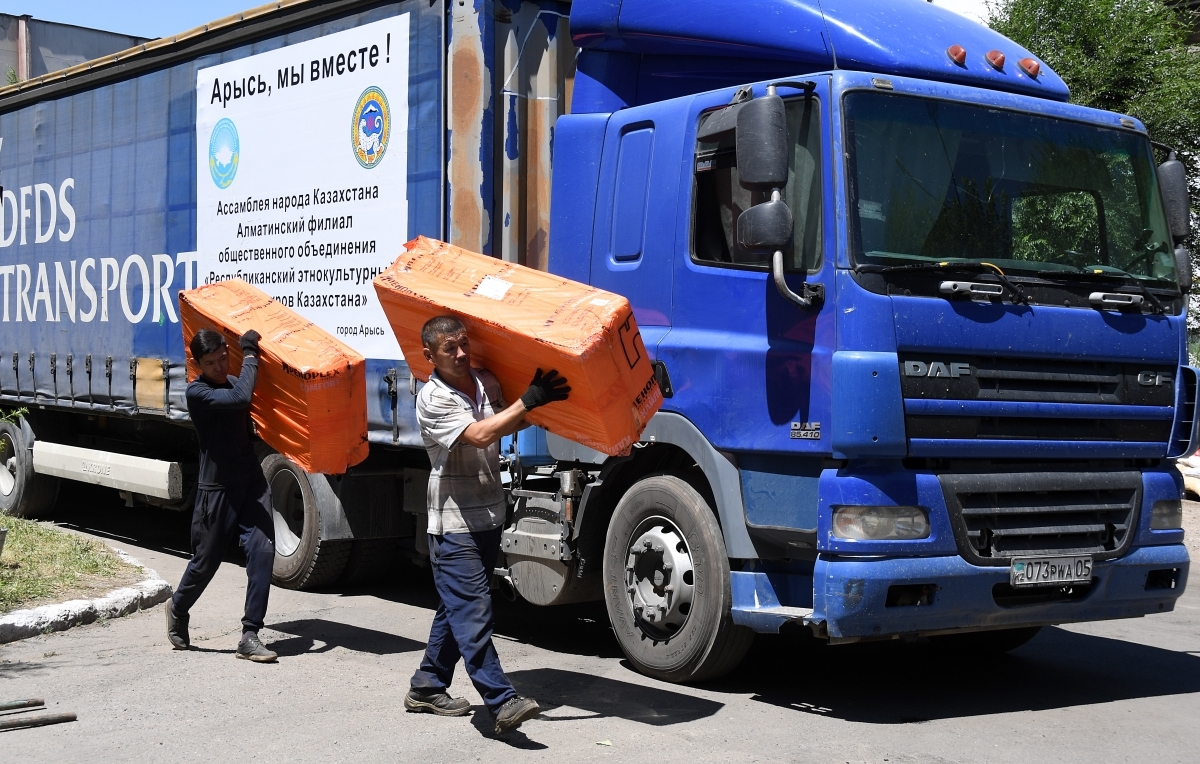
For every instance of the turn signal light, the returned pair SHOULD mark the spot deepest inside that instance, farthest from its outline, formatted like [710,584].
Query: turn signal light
[1031,67]
[995,58]
[957,54]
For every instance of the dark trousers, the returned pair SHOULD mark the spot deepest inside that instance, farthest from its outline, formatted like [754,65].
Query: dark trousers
[462,627]
[220,513]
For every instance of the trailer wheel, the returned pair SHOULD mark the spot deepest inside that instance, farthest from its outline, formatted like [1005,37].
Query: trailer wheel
[986,642]
[302,559]
[23,493]
[666,584]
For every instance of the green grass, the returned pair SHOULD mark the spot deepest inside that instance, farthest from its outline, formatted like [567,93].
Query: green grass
[40,562]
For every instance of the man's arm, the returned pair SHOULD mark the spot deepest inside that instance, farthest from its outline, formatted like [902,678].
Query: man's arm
[485,433]
[545,388]
[233,399]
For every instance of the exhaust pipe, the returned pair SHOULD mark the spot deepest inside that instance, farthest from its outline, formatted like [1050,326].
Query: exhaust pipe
[504,582]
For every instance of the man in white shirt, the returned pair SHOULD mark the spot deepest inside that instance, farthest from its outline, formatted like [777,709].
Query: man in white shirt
[463,415]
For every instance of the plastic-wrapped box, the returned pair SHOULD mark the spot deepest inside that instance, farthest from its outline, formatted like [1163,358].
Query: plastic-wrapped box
[310,402]
[520,319]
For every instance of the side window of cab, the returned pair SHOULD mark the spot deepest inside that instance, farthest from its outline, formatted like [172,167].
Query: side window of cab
[718,198]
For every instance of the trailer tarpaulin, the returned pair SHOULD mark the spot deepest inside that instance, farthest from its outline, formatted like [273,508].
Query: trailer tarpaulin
[520,319]
[310,401]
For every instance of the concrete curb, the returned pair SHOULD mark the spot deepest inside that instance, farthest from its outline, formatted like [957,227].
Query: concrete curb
[22,624]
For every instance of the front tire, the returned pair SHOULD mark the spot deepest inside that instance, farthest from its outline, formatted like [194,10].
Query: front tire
[666,584]
[23,492]
[303,560]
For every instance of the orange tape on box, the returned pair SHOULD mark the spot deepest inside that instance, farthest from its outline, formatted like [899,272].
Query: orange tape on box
[310,402]
[520,319]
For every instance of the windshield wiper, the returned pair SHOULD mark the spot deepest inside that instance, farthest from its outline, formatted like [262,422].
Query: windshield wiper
[945,265]
[1112,273]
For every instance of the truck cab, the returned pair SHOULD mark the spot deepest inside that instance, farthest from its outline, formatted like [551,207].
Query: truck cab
[924,359]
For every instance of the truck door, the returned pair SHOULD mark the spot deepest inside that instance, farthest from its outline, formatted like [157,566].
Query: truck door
[634,235]
[749,367]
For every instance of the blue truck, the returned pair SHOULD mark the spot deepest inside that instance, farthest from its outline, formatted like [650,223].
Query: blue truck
[919,322]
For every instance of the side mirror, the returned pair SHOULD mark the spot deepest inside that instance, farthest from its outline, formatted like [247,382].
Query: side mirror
[762,143]
[1172,182]
[1183,269]
[765,228]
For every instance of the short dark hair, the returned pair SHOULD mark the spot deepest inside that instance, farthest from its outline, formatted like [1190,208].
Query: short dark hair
[438,327]
[204,342]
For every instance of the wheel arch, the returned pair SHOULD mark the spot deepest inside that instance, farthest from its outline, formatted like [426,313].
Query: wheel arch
[670,439]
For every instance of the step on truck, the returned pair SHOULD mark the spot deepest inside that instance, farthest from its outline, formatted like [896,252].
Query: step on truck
[919,321]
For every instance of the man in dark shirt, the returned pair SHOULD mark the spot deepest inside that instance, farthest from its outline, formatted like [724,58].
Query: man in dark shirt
[232,496]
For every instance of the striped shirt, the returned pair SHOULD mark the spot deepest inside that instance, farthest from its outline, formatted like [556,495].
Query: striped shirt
[465,494]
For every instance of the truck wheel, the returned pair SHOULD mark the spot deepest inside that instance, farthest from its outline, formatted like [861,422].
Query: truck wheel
[986,642]
[23,493]
[302,559]
[666,584]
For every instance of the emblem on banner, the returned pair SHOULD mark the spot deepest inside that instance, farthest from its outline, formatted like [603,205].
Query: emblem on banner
[223,153]
[372,127]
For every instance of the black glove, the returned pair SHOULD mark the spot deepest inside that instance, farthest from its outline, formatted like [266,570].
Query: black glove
[249,342]
[545,389]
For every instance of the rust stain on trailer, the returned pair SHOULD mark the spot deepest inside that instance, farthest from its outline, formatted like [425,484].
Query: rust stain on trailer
[537,199]
[537,69]
[468,101]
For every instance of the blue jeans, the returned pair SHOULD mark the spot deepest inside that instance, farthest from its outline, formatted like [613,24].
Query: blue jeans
[462,627]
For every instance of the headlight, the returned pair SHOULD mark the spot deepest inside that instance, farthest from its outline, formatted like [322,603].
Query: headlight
[880,523]
[1167,515]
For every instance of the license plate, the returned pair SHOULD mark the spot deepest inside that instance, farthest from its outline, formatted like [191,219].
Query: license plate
[1041,571]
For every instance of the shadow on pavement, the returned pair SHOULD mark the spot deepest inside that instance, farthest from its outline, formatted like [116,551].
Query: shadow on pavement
[101,512]
[894,683]
[601,696]
[12,669]
[307,632]
[576,629]
[482,720]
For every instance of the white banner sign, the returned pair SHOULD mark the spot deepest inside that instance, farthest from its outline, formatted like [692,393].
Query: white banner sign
[302,175]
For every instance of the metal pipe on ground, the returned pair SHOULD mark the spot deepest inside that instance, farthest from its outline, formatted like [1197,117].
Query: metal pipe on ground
[22,722]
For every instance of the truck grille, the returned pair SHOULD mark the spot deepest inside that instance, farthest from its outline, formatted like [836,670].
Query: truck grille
[1024,399]
[986,378]
[1000,516]
[1038,428]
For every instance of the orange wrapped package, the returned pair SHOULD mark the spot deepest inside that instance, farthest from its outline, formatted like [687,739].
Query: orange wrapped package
[520,319]
[310,401]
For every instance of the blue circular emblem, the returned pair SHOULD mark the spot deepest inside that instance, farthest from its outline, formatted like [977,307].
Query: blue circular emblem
[223,153]
[372,127]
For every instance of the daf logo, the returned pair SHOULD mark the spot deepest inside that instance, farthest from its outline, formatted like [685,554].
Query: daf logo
[1153,379]
[937,369]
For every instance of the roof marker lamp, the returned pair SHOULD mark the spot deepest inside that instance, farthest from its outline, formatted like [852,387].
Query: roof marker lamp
[957,54]
[880,523]
[1031,67]
[1166,515]
[996,59]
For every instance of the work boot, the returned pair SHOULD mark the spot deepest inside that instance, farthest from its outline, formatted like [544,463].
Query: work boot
[177,628]
[435,702]
[515,711]
[252,649]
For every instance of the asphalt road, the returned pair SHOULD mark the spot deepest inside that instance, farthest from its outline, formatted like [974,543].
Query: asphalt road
[1107,692]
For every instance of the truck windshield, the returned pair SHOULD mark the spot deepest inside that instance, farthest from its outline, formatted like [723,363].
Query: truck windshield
[934,181]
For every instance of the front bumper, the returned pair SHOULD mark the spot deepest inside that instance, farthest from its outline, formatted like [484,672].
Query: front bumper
[849,595]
